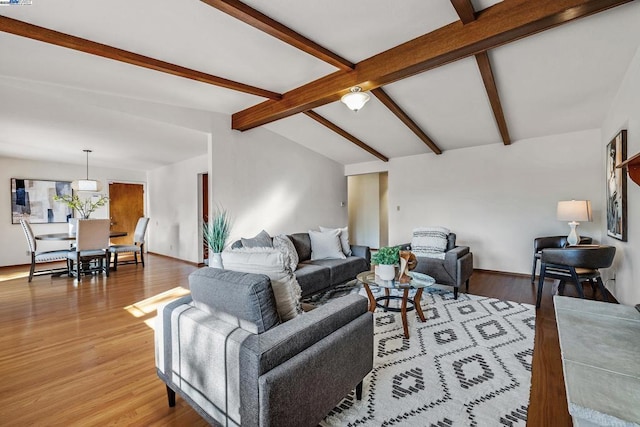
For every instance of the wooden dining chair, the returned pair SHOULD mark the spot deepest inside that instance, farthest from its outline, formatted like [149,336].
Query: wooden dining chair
[136,248]
[92,246]
[42,256]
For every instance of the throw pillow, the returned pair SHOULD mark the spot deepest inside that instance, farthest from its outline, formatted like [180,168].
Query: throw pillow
[326,245]
[430,242]
[271,262]
[344,238]
[260,240]
[284,244]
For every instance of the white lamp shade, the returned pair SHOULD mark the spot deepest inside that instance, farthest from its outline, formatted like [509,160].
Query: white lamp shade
[574,210]
[355,99]
[86,185]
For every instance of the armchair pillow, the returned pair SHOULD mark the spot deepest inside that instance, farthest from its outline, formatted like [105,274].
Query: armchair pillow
[430,242]
[344,238]
[271,262]
[326,245]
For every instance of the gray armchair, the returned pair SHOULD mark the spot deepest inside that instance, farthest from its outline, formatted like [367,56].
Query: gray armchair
[224,350]
[454,270]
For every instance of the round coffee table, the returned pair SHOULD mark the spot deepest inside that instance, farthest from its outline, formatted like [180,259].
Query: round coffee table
[369,278]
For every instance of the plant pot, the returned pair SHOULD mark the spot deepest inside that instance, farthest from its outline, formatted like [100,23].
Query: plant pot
[216,260]
[386,272]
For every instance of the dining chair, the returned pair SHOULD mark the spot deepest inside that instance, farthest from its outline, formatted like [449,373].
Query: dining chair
[540,243]
[42,256]
[136,248]
[577,264]
[92,246]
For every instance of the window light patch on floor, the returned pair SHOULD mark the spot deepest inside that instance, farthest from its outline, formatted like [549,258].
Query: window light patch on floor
[150,305]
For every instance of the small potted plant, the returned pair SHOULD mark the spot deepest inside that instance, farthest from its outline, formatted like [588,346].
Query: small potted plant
[215,235]
[85,207]
[386,260]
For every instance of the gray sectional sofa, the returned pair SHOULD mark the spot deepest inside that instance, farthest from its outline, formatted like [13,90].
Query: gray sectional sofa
[319,275]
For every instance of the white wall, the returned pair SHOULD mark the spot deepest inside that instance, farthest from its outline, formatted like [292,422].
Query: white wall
[497,199]
[266,181]
[625,114]
[173,194]
[13,251]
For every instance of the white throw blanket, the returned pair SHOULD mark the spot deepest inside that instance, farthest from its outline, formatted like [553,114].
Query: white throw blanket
[430,242]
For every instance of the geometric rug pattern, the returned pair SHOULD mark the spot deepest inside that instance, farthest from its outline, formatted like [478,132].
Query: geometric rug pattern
[469,364]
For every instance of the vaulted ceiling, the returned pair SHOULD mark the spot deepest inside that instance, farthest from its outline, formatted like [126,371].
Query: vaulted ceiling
[123,78]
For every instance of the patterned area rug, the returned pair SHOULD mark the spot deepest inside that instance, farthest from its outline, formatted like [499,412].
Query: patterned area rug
[469,364]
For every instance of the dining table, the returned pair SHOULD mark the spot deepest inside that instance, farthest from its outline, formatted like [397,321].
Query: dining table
[72,236]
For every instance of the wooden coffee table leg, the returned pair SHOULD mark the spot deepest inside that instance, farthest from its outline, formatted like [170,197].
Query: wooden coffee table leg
[372,299]
[386,302]
[405,298]
[416,304]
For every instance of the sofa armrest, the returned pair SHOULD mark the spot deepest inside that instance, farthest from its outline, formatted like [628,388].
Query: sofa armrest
[290,338]
[405,246]
[363,252]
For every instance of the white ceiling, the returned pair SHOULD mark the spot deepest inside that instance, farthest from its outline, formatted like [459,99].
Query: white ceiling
[54,102]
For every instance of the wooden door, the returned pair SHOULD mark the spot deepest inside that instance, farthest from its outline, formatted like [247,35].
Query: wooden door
[126,206]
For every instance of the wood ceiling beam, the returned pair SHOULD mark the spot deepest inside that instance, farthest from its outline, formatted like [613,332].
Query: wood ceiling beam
[495,26]
[467,14]
[274,28]
[318,118]
[34,32]
[465,10]
[492,92]
[404,118]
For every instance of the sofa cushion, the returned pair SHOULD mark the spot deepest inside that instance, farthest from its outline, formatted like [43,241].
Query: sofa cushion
[260,240]
[302,243]
[284,245]
[430,242]
[241,299]
[312,278]
[342,270]
[269,261]
[344,238]
[326,245]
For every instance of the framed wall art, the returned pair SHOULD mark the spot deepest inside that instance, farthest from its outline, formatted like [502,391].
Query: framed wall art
[617,187]
[32,199]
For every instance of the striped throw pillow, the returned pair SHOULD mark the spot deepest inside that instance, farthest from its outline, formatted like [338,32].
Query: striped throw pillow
[429,242]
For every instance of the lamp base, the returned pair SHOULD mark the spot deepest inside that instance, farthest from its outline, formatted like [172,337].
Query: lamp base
[573,237]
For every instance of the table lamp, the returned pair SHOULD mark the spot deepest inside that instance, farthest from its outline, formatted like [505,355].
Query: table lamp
[574,211]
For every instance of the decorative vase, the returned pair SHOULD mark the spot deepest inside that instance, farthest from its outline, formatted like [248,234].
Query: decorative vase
[386,272]
[216,260]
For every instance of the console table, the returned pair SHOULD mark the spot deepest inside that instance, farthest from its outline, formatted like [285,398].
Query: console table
[600,345]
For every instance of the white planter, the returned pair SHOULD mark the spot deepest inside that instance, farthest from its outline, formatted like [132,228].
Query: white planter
[216,260]
[386,272]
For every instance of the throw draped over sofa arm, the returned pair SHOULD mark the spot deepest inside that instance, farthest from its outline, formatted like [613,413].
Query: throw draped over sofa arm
[235,365]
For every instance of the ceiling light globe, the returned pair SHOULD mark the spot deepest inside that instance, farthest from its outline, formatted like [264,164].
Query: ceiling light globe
[355,99]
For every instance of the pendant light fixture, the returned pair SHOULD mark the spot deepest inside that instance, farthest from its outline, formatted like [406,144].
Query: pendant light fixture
[355,99]
[86,184]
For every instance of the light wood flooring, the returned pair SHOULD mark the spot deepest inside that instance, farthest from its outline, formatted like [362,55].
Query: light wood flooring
[82,355]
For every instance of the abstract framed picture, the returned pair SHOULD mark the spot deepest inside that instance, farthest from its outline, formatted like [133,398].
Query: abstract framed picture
[32,199]
[617,187]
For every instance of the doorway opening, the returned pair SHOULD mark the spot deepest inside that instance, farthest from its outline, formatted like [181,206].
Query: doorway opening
[368,209]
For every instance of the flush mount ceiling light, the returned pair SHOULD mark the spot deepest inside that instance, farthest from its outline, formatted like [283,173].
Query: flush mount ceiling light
[86,184]
[355,99]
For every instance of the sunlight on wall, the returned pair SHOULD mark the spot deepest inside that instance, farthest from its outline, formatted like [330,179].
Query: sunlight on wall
[150,305]
[268,212]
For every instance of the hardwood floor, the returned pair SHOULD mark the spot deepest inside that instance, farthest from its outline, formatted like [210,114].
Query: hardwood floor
[83,355]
